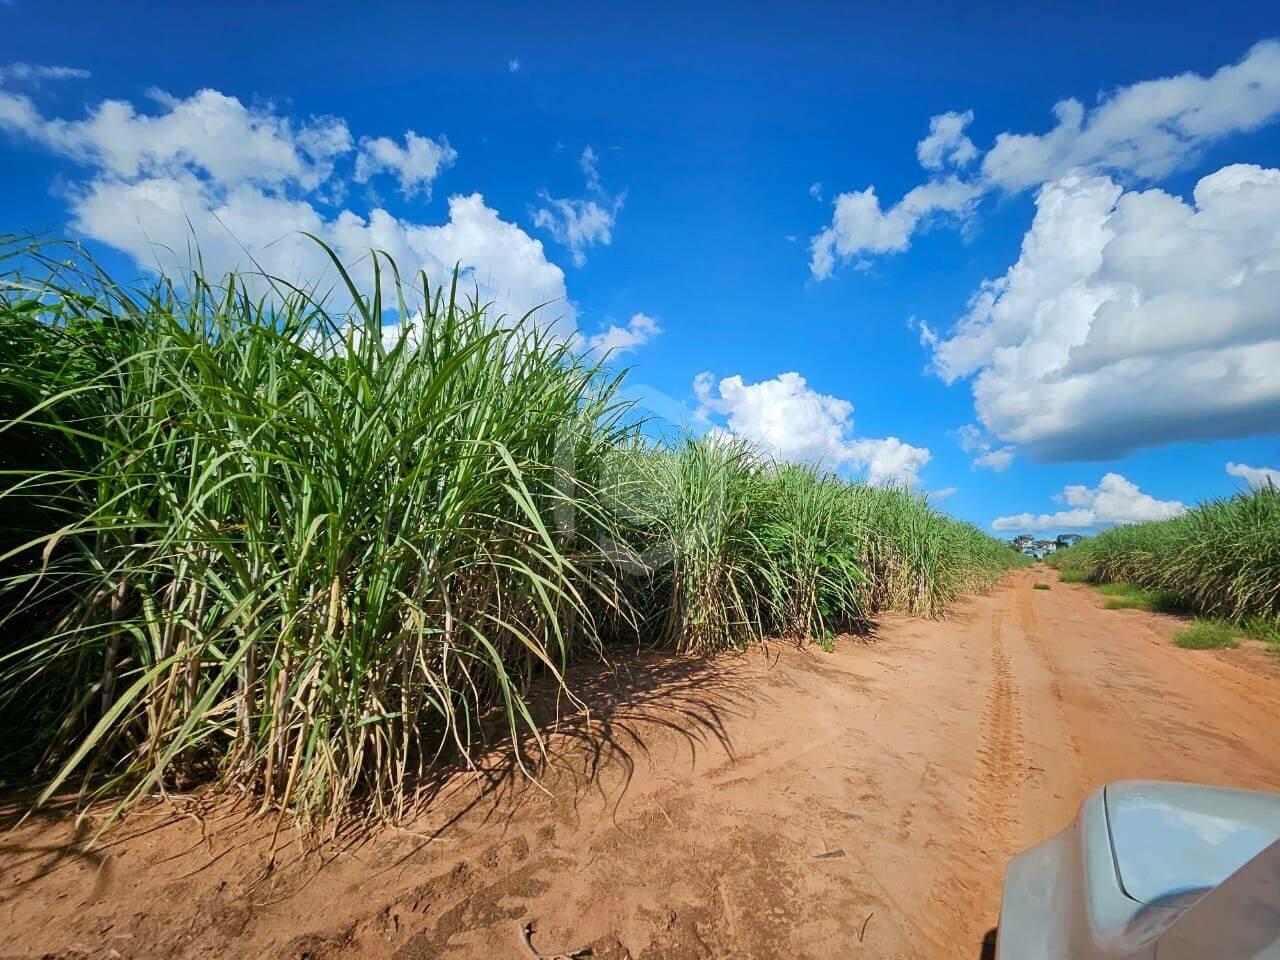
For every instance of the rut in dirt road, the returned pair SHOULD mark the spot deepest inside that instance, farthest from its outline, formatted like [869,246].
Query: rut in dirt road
[859,803]
[990,819]
[1001,752]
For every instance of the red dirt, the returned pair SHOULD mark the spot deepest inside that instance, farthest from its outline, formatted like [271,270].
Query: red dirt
[858,803]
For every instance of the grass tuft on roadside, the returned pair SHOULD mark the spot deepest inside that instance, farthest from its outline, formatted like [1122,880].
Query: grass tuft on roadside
[1125,596]
[1208,635]
[1040,586]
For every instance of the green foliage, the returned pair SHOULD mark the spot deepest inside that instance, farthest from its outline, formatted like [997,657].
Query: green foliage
[810,529]
[1220,560]
[1125,596]
[284,548]
[1208,635]
[303,554]
[919,560]
[695,511]
[1264,630]
[1040,586]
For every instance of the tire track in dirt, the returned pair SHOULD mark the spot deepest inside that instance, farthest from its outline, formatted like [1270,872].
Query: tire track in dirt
[1030,622]
[1001,753]
[962,892]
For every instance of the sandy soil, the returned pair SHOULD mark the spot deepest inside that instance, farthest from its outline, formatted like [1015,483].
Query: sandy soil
[860,803]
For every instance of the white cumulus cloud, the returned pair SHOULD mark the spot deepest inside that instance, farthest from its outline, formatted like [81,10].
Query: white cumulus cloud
[578,224]
[794,422]
[208,133]
[947,143]
[861,226]
[1140,132]
[247,181]
[972,440]
[1131,319]
[638,331]
[1255,477]
[1148,129]
[888,460]
[998,459]
[1115,500]
[416,165]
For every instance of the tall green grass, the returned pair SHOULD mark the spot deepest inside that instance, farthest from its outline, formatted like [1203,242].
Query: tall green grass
[293,550]
[303,555]
[818,543]
[1221,560]
[920,560]
[705,577]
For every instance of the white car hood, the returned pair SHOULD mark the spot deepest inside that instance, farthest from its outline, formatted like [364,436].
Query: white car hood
[1172,839]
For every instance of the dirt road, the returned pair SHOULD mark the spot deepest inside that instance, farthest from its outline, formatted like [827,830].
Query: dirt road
[860,803]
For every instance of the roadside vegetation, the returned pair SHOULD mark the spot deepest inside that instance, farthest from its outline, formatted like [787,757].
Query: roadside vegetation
[1208,635]
[1126,596]
[1219,562]
[305,556]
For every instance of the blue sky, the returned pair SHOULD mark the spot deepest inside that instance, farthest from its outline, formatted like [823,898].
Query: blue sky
[706,169]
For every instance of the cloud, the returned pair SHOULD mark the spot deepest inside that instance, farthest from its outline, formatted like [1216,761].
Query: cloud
[416,164]
[997,460]
[1113,501]
[590,164]
[513,65]
[245,226]
[815,190]
[209,134]
[577,224]
[34,73]
[972,440]
[581,223]
[860,226]
[1141,132]
[793,422]
[1131,319]
[888,460]
[942,494]
[1255,477]
[640,329]
[248,180]
[946,144]
[1148,129]
[927,335]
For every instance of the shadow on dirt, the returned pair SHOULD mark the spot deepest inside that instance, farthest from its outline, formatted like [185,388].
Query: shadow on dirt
[42,859]
[629,703]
